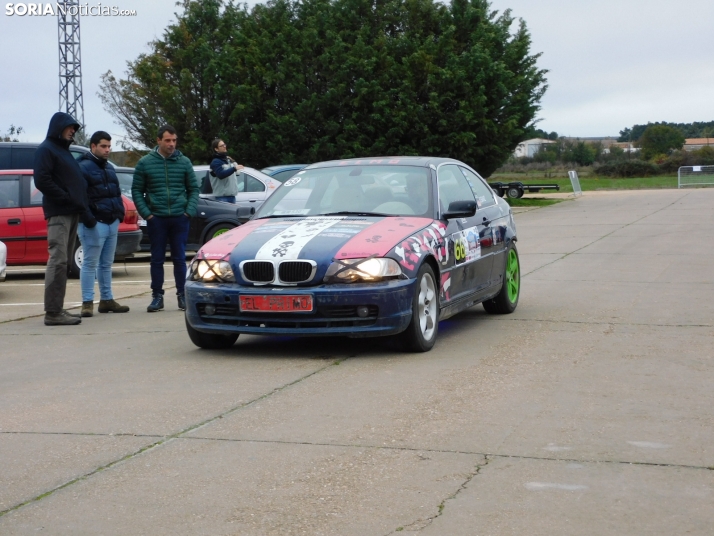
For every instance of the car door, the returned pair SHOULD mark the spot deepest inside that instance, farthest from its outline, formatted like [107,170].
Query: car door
[35,223]
[251,191]
[493,219]
[12,221]
[470,271]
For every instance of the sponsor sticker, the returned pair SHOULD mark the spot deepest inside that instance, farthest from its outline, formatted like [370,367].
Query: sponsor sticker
[467,246]
[292,182]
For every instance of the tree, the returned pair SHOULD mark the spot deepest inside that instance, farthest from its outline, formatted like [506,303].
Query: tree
[660,139]
[314,80]
[12,134]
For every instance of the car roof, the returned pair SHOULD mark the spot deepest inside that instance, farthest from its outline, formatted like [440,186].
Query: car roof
[420,161]
[284,167]
[16,171]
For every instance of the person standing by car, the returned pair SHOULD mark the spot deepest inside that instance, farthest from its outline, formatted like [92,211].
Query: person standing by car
[64,203]
[223,173]
[100,242]
[165,191]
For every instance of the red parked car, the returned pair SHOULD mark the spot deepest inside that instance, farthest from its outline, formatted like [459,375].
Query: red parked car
[24,230]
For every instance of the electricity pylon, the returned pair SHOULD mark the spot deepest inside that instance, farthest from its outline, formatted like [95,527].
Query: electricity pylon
[71,99]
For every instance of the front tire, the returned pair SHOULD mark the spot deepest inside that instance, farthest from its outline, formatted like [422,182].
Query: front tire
[217,231]
[209,341]
[421,333]
[506,301]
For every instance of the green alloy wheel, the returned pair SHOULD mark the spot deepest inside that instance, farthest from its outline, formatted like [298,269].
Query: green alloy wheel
[506,300]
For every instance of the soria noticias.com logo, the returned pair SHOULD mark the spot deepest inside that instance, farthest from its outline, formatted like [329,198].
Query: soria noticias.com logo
[59,8]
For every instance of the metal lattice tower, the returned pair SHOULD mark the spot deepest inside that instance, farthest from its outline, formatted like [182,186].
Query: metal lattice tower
[71,99]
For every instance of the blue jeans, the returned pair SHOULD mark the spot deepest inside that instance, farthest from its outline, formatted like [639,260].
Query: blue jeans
[174,232]
[226,198]
[98,245]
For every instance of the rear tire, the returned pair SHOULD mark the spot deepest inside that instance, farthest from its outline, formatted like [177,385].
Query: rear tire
[210,341]
[74,263]
[514,192]
[421,333]
[506,301]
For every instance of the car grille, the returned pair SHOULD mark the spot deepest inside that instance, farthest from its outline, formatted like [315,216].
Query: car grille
[289,272]
[259,271]
[295,271]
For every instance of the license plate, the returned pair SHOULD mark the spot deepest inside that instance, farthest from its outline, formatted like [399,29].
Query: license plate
[276,304]
[142,223]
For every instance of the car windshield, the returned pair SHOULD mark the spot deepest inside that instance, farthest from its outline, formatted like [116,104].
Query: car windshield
[370,190]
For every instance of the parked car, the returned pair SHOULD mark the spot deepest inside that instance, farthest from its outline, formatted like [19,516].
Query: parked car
[3,261]
[21,155]
[212,217]
[284,172]
[23,227]
[342,249]
[254,186]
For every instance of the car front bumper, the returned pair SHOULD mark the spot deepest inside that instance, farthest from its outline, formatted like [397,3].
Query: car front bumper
[128,243]
[389,306]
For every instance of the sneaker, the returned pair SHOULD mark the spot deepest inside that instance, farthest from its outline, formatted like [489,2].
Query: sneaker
[157,303]
[87,309]
[181,301]
[110,306]
[61,319]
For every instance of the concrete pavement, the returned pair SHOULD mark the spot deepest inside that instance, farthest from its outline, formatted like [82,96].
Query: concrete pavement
[587,411]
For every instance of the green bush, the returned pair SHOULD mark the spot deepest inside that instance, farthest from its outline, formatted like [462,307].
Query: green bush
[628,168]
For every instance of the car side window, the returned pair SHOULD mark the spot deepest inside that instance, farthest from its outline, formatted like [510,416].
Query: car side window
[10,191]
[481,190]
[452,186]
[253,184]
[35,194]
[23,157]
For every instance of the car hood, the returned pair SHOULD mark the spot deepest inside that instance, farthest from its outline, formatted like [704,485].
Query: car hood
[318,238]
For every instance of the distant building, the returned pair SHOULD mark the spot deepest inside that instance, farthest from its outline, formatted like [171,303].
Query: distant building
[694,144]
[530,147]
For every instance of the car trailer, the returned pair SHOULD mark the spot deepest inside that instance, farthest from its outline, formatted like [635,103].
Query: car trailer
[515,190]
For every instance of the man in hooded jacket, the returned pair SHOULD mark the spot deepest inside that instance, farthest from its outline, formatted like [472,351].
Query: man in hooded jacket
[64,203]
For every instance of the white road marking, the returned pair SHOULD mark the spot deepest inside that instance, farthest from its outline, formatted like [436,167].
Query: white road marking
[540,486]
[649,445]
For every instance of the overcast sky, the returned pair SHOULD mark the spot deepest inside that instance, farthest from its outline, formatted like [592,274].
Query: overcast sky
[611,63]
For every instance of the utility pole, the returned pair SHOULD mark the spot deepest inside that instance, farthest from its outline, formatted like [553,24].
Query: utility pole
[71,99]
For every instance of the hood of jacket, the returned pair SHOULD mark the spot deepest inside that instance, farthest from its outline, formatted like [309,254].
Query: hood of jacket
[58,123]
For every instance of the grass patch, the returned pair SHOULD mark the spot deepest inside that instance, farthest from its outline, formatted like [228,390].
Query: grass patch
[523,202]
[592,183]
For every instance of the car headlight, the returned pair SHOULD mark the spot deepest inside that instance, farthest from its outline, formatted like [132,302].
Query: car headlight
[362,270]
[211,271]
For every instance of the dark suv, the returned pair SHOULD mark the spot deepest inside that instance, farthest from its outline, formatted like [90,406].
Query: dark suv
[19,155]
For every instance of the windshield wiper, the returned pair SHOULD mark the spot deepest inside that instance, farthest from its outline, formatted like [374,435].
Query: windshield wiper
[282,216]
[353,213]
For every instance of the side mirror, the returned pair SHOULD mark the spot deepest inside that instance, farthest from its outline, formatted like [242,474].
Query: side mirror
[244,213]
[460,209]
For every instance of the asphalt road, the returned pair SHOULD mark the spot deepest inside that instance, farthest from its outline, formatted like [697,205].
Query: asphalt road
[587,411]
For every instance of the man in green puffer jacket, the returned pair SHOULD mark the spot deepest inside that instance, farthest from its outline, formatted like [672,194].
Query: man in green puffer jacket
[165,192]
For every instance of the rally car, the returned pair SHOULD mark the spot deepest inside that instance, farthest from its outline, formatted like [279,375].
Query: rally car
[361,248]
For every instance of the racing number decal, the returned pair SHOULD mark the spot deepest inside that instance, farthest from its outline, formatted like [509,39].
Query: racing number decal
[467,246]
[460,248]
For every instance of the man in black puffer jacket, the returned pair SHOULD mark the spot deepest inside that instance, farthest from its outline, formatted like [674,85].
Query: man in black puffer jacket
[64,202]
[100,241]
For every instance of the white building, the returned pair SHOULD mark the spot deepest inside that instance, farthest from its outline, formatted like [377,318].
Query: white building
[530,147]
